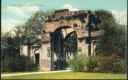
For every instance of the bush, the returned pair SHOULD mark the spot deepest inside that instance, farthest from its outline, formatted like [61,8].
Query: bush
[19,63]
[91,64]
[77,64]
[7,65]
[113,63]
[106,64]
[119,67]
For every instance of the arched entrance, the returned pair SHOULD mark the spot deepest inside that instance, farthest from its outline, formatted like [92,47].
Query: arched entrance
[57,33]
[58,39]
[37,56]
[71,45]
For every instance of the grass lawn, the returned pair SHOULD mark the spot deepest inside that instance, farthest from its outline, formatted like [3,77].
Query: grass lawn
[69,75]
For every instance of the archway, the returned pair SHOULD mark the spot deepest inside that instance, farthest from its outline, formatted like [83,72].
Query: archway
[71,45]
[58,39]
[37,56]
[59,30]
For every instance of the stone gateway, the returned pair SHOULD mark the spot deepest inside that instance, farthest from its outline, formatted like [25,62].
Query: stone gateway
[49,53]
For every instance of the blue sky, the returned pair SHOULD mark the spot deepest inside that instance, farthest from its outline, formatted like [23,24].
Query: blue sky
[15,12]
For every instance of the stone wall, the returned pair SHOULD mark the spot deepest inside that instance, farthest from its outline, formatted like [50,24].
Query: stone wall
[23,50]
[45,58]
[82,46]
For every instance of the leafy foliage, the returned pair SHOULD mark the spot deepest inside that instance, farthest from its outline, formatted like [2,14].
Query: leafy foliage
[106,64]
[81,63]
[78,63]
[9,43]
[104,17]
[30,31]
[114,38]
[17,64]
[113,41]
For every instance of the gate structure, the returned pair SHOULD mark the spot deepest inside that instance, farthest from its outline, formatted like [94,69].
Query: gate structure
[55,31]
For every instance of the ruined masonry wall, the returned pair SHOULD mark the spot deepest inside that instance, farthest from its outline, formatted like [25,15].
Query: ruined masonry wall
[45,60]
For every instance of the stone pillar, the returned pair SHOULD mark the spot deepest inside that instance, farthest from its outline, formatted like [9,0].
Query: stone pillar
[23,50]
[82,47]
[32,53]
[45,58]
[92,48]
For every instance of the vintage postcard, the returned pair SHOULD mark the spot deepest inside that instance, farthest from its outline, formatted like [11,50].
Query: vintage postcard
[64,39]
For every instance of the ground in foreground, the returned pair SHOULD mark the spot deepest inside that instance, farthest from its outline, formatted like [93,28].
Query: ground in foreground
[69,75]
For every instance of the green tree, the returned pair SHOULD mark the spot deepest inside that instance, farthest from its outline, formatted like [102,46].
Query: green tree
[113,40]
[32,28]
[103,17]
[9,45]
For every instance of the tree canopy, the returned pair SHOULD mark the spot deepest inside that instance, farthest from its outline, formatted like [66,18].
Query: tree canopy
[113,40]
[103,17]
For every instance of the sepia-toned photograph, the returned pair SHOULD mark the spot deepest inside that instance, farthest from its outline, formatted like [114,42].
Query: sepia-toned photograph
[63,39]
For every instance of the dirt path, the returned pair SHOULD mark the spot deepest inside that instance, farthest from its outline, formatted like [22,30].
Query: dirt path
[15,74]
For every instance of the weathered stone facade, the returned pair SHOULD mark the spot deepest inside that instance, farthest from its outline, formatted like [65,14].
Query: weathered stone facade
[65,22]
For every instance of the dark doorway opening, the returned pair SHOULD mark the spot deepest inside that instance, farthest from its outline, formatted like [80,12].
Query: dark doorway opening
[61,45]
[37,59]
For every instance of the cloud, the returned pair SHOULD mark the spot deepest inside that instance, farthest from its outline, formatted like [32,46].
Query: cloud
[17,15]
[30,7]
[120,16]
[23,10]
[15,11]
[25,7]
[8,24]
[68,6]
